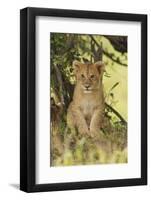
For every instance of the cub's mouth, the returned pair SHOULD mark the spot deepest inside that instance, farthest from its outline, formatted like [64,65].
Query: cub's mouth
[87,90]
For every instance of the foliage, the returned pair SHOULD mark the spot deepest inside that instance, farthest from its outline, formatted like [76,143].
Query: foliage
[71,149]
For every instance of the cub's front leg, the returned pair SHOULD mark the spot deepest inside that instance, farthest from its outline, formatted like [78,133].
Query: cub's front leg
[75,119]
[96,121]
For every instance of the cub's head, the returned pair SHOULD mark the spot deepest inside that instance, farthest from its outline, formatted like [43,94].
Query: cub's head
[88,76]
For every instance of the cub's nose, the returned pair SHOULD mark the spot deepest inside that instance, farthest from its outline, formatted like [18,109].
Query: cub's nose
[87,86]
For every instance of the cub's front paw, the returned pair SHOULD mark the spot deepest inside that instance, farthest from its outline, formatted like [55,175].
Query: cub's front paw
[83,130]
[94,133]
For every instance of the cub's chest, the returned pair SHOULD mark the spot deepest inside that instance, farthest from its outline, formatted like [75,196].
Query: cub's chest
[87,107]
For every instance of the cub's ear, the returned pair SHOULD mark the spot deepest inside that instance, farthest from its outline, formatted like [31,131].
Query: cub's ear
[76,66]
[100,66]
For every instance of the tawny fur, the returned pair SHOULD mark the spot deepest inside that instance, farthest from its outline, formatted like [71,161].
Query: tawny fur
[85,112]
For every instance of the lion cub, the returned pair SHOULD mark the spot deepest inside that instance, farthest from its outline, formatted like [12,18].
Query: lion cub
[86,110]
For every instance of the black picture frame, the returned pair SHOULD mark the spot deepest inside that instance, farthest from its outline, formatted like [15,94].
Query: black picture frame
[28,99]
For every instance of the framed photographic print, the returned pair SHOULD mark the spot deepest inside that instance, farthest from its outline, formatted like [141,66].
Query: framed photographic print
[83,99]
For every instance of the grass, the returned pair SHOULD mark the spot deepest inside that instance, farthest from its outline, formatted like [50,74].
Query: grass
[109,147]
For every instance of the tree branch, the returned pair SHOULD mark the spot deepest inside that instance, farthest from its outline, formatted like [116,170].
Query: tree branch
[60,82]
[108,54]
[116,113]
[118,42]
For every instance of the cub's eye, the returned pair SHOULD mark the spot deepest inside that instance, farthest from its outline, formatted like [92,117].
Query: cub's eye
[92,76]
[82,75]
